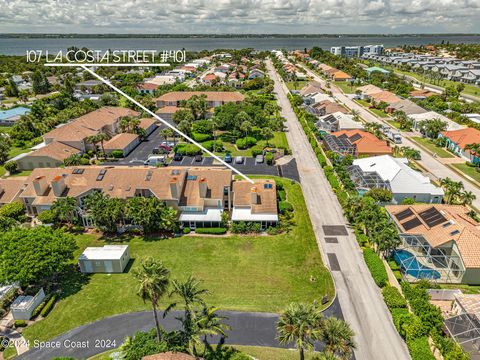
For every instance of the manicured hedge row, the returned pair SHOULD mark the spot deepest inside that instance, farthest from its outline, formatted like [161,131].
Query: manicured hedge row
[420,349]
[48,306]
[375,265]
[215,231]
[393,298]
[20,323]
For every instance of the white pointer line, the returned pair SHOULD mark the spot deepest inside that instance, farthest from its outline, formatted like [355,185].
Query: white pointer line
[166,123]
[106,64]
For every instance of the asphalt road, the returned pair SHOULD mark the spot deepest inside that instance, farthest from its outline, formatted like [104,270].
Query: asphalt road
[248,328]
[360,299]
[435,168]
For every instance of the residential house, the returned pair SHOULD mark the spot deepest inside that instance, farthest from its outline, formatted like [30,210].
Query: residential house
[384,97]
[457,141]
[124,142]
[406,106]
[10,189]
[439,243]
[11,116]
[394,174]
[341,76]
[325,107]
[431,115]
[421,94]
[356,143]
[147,88]
[310,88]
[255,202]
[255,73]
[471,76]
[338,121]
[367,91]
[372,69]
[50,155]
[213,98]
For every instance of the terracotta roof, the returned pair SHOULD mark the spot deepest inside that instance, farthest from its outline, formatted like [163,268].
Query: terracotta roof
[168,110]
[331,71]
[243,194]
[366,143]
[420,93]
[463,137]
[385,96]
[341,75]
[330,107]
[312,87]
[463,230]
[120,141]
[211,95]
[324,67]
[145,123]
[147,86]
[55,150]
[209,77]
[214,179]
[369,89]
[10,188]
[170,356]
[89,124]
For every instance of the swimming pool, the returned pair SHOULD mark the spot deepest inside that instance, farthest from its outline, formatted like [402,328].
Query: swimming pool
[410,265]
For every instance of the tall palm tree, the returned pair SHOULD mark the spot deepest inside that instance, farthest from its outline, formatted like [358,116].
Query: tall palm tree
[467,197]
[101,138]
[338,337]
[166,133]
[65,209]
[93,139]
[153,281]
[191,294]
[209,323]
[300,324]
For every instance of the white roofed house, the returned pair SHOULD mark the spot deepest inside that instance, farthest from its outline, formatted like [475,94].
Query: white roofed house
[255,202]
[338,121]
[471,76]
[431,115]
[393,174]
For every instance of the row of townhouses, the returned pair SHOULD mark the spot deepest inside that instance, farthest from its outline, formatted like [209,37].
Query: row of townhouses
[200,195]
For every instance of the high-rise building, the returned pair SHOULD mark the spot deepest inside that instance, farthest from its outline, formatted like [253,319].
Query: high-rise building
[356,51]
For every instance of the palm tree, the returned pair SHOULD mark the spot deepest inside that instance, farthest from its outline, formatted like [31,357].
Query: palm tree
[191,294]
[101,138]
[338,337]
[326,355]
[166,133]
[153,279]
[300,324]
[246,127]
[209,323]
[467,197]
[356,115]
[65,209]
[93,139]
[452,189]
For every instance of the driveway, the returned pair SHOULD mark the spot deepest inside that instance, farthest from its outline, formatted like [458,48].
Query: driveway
[248,328]
[360,299]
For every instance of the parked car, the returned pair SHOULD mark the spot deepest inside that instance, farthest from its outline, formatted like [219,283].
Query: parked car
[156,150]
[170,144]
[198,157]
[228,158]
[166,148]
[155,160]
[259,159]
[239,159]
[177,157]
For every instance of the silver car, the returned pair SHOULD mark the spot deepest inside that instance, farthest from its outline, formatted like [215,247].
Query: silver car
[238,159]
[259,159]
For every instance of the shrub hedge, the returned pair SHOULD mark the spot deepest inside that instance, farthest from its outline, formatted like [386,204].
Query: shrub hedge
[269,158]
[201,137]
[213,230]
[246,142]
[375,265]
[420,349]
[20,323]
[117,154]
[393,298]
[48,306]
[285,207]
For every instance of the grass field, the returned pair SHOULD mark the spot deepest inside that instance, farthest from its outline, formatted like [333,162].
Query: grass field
[279,141]
[430,146]
[394,123]
[470,171]
[345,87]
[296,85]
[14,151]
[379,113]
[247,273]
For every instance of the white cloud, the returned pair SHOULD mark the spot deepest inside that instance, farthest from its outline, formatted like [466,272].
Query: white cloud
[253,16]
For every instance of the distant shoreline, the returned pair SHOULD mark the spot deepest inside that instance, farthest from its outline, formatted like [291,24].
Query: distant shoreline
[213,36]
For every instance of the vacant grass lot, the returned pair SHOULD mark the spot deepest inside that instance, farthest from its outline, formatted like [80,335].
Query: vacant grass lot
[427,143]
[345,86]
[296,85]
[249,273]
[469,170]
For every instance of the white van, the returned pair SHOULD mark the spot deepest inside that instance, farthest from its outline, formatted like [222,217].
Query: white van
[155,160]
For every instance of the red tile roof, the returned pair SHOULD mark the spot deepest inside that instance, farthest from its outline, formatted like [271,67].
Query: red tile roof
[368,143]
[463,137]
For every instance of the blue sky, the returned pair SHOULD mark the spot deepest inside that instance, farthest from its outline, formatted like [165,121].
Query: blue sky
[240,16]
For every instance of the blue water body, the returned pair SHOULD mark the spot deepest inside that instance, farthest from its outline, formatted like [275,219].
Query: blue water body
[7,114]
[411,266]
[19,46]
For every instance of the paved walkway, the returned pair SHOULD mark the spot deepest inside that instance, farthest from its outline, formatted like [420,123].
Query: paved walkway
[431,164]
[248,328]
[17,339]
[360,299]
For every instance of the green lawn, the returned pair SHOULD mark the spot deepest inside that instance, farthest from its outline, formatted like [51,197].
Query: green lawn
[296,85]
[279,141]
[14,151]
[469,170]
[379,113]
[345,86]
[431,147]
[247,273]
[363,103]
[23,173]
[394,123]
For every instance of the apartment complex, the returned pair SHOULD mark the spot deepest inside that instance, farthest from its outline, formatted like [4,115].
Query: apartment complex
[356,51]
[200,195]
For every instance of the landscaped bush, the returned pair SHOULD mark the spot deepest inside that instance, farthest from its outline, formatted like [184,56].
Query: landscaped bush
[8,298]
[47,217]
[48,306]
[187,149]
[14,210]
[243,227]
[393,298]
[449,348]
[281,195]
[285,207]
[186,230]
[420,349]
[214,230]
[117,154]
[213,145]
[246,142]
[20,323]
[256,152]
[201,137]
[361,238]
[269,158]
[11,166]
[393,265]
[84,161]
[375,265]
[332,179]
